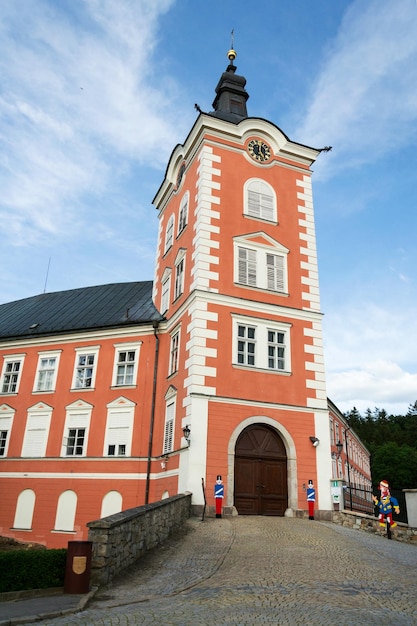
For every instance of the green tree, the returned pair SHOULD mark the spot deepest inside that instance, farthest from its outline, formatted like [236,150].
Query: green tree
[395,463]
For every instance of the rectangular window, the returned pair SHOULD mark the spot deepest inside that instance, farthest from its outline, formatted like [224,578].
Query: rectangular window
[173,362]
[261,265]
[166,288]
[182,220]
[36,435]
[75,444]
[85,367]
[117,450]
[3,441]
[169,235]
[260,344]
[247,267]
[126,367]
[46,374]
[179,279]
[246,345]
[11,373]
[84,372]
[276,350]
[119,429]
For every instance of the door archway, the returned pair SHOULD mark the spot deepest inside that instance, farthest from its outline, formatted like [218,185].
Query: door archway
[260,473]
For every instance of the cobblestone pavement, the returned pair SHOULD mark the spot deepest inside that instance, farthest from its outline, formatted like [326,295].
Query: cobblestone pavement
[249,571]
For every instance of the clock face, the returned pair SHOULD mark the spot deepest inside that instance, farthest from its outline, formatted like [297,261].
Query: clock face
[259,150]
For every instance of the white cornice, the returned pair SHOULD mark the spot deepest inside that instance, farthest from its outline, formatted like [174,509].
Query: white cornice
[239,133]
[235,305]
[93,335]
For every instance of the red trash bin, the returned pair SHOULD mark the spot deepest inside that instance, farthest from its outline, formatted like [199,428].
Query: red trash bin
[78,567]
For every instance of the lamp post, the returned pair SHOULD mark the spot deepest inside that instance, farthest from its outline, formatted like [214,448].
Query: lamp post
[348,467]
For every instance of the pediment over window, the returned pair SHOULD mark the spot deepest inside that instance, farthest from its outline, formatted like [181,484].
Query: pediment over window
[120,403]
[180,255]
[167,273]
[171,391]
[261,239]
[79,404]
[5,408]
[40,406]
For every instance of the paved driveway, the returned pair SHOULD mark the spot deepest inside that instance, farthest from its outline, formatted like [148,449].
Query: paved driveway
[251,571]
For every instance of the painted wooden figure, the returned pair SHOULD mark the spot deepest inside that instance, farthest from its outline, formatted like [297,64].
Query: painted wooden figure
[386,504]
[311,499]
[219,495]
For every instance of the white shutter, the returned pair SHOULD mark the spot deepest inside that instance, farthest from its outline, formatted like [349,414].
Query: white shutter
[36,435]
[267,207]
[260,200]
[275,272]
[169,428]
[119,430]
[254,203]
[247,267]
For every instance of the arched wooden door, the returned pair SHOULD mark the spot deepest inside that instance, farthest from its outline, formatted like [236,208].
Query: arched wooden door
[260,472]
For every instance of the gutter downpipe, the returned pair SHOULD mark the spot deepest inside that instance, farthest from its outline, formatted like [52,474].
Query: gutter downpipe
[155,325]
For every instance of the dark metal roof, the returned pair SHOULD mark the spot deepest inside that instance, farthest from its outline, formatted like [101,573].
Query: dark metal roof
[88,308]
[231,96]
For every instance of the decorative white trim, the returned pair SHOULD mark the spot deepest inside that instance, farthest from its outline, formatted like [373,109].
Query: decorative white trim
[311,297]
[205,213]
[289,447]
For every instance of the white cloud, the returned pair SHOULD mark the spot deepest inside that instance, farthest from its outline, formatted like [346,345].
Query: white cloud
[382,384]
[370,357]
[364,102]
[80,98]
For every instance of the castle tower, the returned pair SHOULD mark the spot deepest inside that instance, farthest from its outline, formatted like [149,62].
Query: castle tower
[236,277]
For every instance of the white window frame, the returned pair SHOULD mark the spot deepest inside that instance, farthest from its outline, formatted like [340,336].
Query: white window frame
[179,273]
[166,290]
[259,339]
[260,200]
[183,213]
[119,428]
[169,426]
[43,356]
[78,416]
[6,423]
[16,375]
[86,352]
[260,265]
[246,345]
[169,234]
[37,431]
[128,348]
[174,351]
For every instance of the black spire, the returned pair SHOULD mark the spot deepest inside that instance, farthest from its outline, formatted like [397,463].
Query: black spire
[230,101]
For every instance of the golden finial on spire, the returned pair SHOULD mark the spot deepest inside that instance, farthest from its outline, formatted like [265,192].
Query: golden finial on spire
[231,55]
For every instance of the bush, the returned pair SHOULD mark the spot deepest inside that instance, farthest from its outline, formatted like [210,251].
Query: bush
[32,569]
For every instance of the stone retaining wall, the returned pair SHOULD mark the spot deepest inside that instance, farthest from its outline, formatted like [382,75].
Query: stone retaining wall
[121,539]
[369,523]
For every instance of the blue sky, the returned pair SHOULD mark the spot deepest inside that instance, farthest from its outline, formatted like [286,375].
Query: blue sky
[96,93]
